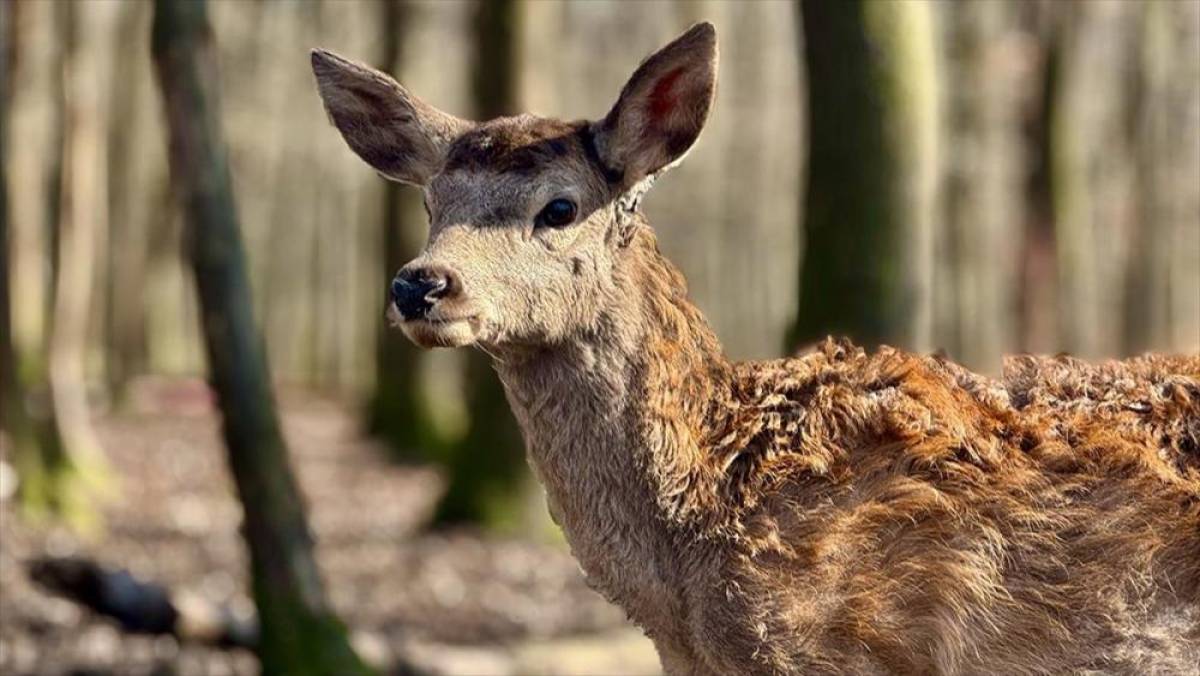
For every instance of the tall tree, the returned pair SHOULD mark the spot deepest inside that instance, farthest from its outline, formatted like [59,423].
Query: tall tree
[137,200]
[1162,284]
[8,380]
[487,471]
[398,411]
[981,198]
[299,632]
[1089,160]
[52,478]
[82,220]
[1185,263]
[1037,282]
[871,172]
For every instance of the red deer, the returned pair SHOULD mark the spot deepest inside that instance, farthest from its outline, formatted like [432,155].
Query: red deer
[833,513]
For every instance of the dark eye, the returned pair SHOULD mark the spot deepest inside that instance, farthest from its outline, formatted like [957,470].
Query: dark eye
[556,214]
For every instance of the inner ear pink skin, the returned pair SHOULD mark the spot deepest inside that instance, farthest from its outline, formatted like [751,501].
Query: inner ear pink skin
[663,98]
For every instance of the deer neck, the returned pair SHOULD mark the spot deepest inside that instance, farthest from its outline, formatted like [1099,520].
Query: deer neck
[617,421]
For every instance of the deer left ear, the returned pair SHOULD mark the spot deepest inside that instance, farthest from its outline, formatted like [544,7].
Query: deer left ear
[398,134]
[662,108]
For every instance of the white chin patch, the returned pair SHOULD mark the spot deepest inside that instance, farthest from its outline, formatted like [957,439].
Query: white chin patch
[458,333]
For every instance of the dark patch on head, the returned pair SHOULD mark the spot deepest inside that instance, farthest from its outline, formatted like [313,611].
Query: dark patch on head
[521,145]
[526,145]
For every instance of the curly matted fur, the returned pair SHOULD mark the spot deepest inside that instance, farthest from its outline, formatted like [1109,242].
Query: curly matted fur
[845,512]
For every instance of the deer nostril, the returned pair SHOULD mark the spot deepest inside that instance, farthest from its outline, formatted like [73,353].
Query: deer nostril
[437,286]
[415,291]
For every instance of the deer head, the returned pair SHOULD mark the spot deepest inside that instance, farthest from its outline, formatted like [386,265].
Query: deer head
[530,217]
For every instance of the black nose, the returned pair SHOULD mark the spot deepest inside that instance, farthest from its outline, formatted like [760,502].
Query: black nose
[414,291]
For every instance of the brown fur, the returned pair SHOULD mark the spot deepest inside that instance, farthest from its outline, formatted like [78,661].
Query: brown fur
[833,513]
[842,512]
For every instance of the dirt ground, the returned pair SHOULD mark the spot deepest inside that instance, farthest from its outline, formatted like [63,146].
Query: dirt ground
[451,602]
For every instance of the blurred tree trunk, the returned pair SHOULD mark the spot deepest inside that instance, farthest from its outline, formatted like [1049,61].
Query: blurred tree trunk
[1091,171]
[1184,19]
[1037,280]
[9,394]
[82,222]
[754,182]
[486,469]
[137,198]
[1168,179]
[398,411]
[52,480]
[293,284]
[299,632]
[983,189]
[1071,196]
[871,172]
[1147,290]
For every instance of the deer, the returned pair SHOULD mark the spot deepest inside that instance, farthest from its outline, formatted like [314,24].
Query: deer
[835,512]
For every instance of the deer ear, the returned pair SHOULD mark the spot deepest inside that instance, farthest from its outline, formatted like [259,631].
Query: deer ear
[662,108]
[398,134]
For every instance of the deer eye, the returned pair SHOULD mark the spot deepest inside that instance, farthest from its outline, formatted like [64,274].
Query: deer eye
[556,214]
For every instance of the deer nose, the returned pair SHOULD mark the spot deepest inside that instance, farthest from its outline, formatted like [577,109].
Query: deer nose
[416,290]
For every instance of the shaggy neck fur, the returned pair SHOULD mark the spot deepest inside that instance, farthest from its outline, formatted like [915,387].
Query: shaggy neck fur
[615,422]
[842,512]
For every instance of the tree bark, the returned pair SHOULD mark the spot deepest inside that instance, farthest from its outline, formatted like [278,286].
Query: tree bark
[871,172]
[488,476]
[300,634]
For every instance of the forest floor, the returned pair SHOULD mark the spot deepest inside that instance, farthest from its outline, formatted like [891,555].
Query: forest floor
[451,602]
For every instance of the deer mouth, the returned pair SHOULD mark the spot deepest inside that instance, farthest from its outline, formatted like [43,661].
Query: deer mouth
[441,331]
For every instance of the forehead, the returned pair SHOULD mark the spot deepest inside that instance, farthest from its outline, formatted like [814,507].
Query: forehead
[525,144]
[494,171]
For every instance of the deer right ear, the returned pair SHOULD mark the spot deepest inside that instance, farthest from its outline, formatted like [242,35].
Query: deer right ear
[662,108]
[398,134]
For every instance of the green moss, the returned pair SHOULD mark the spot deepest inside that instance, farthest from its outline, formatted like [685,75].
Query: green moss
[55,484]
[297,642]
